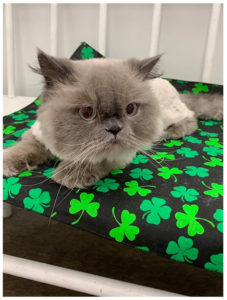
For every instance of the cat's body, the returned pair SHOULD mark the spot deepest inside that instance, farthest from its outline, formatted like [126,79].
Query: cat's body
[97,114]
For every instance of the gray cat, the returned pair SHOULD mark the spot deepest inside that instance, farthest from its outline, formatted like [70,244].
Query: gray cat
[97,114]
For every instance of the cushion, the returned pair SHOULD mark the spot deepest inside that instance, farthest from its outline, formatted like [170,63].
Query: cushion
[168,202]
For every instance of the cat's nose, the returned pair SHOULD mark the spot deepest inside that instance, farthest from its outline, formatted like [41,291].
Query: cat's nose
[114,129]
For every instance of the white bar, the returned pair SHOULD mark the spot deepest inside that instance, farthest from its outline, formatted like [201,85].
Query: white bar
[9,49]
[211,41]
[75,280]
[7,210]
[54,29]
[102,28]
[155,29]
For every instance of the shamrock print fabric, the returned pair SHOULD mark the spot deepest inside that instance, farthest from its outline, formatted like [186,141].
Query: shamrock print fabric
[168,201]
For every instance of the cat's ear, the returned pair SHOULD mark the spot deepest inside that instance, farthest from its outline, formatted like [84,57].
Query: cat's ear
[54,70]
[145,68]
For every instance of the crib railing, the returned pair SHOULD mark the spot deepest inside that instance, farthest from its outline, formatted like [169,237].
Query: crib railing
[102,41]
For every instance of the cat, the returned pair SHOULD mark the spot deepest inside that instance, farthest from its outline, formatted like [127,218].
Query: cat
[97,114]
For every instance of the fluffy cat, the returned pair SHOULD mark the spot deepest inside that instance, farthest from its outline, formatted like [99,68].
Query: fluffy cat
[97,114]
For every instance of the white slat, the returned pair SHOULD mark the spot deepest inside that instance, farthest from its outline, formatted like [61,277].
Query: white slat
[102,28]
[54,28]
[211,42]
[155,29]
[10,49]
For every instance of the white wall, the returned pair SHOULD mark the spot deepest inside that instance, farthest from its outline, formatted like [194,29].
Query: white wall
[183,36]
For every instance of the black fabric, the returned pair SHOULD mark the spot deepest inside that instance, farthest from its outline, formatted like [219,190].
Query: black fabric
[169,203]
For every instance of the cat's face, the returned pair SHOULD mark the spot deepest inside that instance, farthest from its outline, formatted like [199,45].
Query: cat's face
[97,109]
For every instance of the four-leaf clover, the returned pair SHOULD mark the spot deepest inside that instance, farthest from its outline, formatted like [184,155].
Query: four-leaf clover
[218,216]
[37,201]
[125,228]
[193,171]
[184,193]
[192,139]
[141,173]
[11,187]
[85,204]
[187,152]
[87,52]
[182,250]
[213,151]
[216,263]
[139,159]
[155,210]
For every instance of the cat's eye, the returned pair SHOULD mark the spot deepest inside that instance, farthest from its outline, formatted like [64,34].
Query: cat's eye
[87,113]
[131,109]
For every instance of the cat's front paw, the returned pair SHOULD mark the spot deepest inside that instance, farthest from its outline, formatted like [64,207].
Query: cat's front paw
[72,179]
[11,165]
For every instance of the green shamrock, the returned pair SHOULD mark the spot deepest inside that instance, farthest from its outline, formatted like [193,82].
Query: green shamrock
[214,191]
[38,101]
[117,171]
[25,173]
[32,111]
[9,129]
[9,143]
[210,122]
[11,187]
[144,248]
[37,201]
[211,134]
[187,152]
[214,142]
[49,172]
[30,123]
[216,263]
[173,143]
[141,173]
[200,87]
[189,219]
[19,117]
[185,92]
[213,162]
[139,159]
[192,139]
[182,81]
[193,171]
[213,151]
[87,52]
[184,193]
[106,184]
[133,188]
[182,250]
[84,205]
[125,228]
[166,172]
[20,132]
[155,210]
[162,155]
[218,216]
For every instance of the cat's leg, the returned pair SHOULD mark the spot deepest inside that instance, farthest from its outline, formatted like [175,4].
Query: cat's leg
[77,175]
[178,130]
[27,154]
[205,106]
